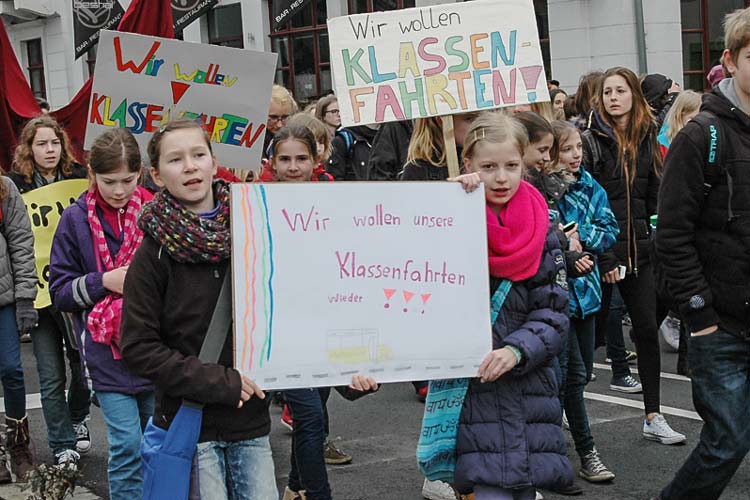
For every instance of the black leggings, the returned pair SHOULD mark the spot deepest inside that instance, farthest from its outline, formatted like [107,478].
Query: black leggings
[639,295]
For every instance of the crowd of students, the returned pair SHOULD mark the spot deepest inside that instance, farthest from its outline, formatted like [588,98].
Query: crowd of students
[572,188]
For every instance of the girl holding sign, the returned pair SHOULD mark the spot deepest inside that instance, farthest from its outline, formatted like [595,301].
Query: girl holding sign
[43,157]
[93,246]
[510,438]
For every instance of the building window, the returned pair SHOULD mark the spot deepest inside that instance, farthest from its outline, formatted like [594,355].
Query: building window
[304,64]
[225,26]
[703,37]
[362,6]
[91,59]
[35,60]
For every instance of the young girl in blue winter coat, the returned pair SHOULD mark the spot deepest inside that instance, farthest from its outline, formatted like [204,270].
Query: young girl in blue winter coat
[510,439]
[94,244]
[585,204]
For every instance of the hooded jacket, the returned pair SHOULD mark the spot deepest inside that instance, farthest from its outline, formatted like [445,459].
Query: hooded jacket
[76,286]
[348,161]
[18,276]
[703,234]
[632,201]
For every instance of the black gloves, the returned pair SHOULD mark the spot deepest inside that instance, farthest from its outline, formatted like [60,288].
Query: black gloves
[26,316]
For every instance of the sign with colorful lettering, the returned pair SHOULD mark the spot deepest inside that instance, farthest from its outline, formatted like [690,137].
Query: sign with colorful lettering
[436,60]
[141,82]
[45,206]
[332,280]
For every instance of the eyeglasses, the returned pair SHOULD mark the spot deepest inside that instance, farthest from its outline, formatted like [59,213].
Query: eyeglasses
[333,111]
[278,118]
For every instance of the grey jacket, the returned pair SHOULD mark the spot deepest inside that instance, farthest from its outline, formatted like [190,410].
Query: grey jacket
[18,276]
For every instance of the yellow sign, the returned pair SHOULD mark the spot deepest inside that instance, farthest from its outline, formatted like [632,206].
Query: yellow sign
[45,206]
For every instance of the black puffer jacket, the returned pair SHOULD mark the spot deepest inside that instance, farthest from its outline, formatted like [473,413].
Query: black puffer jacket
[351,153]
[632,203]
[389,149]
[703,240]
[77,171]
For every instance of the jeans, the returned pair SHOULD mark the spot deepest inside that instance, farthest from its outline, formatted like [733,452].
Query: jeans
[11,371]
[575,375]
[720,364]
[308,470]
[609,326]
[50,344]
[242,470]
[492,493]
[126,416]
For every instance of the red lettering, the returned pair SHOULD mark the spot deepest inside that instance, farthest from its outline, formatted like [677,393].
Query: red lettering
[152,116]
[246,141]
[96,101]
[122,66]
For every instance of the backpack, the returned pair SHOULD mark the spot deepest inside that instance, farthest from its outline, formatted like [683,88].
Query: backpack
[713,169]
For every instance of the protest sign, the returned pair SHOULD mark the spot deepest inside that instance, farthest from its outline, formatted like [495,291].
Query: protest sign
[141,82]
[332,280]
[45,206]
[437,60]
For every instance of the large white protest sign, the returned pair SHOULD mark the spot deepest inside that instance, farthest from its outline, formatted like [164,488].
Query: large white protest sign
[141,82]
[437,60]
[332,280]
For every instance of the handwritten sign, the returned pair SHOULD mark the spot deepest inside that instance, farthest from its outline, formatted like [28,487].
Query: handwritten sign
[45,206]
[437,60]
[141,82]
[336,279]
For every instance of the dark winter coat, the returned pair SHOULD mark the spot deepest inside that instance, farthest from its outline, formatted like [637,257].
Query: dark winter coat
[703,241]
[633,204]
[18,276]
[510,433]
[167,309]
[351,153]
[76,287]
[78,171]
[389,150]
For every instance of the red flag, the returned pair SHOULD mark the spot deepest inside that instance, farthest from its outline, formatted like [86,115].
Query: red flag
[17,103]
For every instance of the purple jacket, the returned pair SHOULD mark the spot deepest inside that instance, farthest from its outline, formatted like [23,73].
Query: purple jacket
[76,286]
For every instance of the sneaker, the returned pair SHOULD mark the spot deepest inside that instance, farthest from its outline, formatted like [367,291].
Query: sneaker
[631,356]
[593,377]
[290,494]
[83,438]
[572,490]
[67,459]
[670,332]
[626,384]
[626,321]
[659,430]
[286,418]
[593,469]
[538,496]
[25,338]
[437,490]
[422,393]
[334,456]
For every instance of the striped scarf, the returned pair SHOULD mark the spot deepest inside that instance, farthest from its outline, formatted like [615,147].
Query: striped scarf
[104,319]
[186,236]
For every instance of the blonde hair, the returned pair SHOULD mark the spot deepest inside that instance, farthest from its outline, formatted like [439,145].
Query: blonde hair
[496,128]
[318,129]
[282,97]
[686,103]
[561,131]
[737,32]
[543,109]
[427,142]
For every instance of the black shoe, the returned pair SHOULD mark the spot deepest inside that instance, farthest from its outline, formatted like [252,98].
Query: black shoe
[572,490]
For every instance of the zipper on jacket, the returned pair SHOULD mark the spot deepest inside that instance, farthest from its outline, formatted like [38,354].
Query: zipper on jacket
[120,211]
[630,226]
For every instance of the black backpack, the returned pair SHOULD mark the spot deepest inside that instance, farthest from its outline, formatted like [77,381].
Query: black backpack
[713,169]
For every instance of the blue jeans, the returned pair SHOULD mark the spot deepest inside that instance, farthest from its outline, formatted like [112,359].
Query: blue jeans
[126,416]
[11,371]
[308,440]
[50,346]
[242,470]
[720,364]
[575,375]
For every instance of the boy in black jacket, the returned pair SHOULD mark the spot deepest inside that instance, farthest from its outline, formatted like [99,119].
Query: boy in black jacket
[703,242]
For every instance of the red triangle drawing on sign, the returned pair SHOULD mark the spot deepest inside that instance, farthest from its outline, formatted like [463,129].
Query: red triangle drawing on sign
[178,90]
[389,292]
[407,296]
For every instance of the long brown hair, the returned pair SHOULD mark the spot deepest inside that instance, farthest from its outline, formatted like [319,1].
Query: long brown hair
[640,124]
[23,159]
[112,149]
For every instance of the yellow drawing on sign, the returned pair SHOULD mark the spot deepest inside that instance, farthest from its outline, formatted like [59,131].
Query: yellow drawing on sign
[45,206]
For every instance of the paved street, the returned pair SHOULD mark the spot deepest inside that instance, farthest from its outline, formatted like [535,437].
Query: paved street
[381,431]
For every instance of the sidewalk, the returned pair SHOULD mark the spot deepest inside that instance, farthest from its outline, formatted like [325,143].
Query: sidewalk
[13,492]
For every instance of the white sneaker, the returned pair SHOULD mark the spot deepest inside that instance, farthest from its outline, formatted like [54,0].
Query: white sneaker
[437,490]
[628,385]
[67,459]
[538,496]
[659,430]
[670,332]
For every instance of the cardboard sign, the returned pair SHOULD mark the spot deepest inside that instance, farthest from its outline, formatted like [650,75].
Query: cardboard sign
[331,280]
[437,60]
[141,82]
[45,206]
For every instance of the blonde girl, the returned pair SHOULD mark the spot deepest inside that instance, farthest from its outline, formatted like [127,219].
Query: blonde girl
[685,107]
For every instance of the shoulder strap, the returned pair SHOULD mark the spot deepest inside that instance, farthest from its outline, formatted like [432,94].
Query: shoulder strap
[498,298]
[713,133]
[348,138]
[221,322]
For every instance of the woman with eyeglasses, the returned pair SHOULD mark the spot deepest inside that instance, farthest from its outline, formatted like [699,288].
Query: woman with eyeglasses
[327,111]
[282,105]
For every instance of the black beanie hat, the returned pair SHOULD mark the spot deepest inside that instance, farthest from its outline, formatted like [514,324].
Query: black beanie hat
[655,87]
